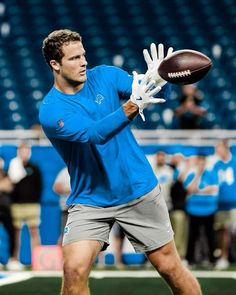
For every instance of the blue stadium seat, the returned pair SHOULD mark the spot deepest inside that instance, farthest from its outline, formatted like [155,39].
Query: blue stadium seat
[112,28]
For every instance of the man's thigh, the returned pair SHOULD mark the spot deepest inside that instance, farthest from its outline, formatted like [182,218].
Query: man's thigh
[146,222]
[86,223]
[81,254]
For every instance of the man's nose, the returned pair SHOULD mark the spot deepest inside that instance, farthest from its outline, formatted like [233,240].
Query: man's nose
[84,62]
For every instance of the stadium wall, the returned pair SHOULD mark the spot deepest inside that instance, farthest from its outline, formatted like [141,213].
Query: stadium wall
[50,164]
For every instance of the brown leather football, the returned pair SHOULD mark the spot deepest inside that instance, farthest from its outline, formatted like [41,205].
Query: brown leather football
[184,67]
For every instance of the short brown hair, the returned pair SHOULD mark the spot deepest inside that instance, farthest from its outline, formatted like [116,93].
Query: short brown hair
[52,44]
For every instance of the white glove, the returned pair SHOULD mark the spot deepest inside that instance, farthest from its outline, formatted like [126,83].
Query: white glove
[153,63]
[143,93]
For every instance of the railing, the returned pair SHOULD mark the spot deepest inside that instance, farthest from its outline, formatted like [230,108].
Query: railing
[144,137]
[185,137]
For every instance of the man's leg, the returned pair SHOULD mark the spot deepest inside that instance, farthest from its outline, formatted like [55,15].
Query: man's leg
[167,262]
[17,243]
[78,260]
[179,221]
[194,233]
[35,237]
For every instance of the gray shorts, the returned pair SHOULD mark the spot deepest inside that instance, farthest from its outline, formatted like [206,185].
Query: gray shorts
[145,221]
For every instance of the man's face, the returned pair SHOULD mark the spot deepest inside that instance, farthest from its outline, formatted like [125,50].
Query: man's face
[161,159]
[201,162]
[72,67]
[24,153]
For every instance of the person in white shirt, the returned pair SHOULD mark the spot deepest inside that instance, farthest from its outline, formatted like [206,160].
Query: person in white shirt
[61,187]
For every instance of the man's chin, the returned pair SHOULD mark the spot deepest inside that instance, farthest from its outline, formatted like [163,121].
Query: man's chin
[82,79]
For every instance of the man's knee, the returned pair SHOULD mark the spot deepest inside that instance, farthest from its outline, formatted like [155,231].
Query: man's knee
[166,259]
[79,258]
[169,266]
[75,273]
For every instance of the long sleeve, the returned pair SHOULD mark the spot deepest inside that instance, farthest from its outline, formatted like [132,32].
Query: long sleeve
[77,127]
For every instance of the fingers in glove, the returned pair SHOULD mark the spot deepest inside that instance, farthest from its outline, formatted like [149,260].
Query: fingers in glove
[162,83]
[147,57]
[157,100]
[135,79]
[170,51]
[147,86]
[153,50]
[160,51]
[135,75]
[154,91]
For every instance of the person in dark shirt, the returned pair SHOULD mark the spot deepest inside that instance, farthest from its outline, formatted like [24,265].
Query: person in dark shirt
[190,113]
[5,205]
[25,207]
[178,196]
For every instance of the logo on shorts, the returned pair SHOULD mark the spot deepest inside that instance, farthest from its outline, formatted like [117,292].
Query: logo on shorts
[66,230]
[168,226]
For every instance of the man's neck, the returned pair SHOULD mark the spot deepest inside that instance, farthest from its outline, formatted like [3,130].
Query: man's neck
[64,87]
[226,157]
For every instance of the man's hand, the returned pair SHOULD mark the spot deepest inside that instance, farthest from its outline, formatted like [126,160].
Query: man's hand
[143,93]
[153,63]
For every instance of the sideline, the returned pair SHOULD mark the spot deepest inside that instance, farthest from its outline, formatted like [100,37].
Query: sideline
[7,277]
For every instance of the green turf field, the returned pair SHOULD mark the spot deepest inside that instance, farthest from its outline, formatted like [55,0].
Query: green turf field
[117,286]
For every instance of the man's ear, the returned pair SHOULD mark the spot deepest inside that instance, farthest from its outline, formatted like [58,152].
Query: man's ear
[55,65]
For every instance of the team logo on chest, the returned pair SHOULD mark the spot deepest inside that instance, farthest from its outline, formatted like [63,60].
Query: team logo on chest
[99,98]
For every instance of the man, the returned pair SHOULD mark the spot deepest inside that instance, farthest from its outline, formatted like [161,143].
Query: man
[111,179]
[61,186]
[201,205]
[225,218]
[6,188]
[164,174]
[190,114]
[26,194]
[178,214]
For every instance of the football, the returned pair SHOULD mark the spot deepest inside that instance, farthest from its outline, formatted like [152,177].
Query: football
[184,67]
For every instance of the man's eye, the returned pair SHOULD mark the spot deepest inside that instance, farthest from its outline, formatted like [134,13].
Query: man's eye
[75,57]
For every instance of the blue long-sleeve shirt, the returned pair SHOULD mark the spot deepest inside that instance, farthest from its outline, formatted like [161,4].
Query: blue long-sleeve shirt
[199,204]
[90,131]
[226,172]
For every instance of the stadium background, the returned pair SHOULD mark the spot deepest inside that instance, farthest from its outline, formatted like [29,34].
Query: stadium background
[114,32]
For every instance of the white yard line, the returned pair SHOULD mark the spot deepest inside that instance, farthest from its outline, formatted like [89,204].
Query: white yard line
[14,277]
[154,274]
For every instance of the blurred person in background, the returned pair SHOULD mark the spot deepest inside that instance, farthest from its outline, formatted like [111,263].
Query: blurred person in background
[190,114]
[225,167]
[61,187]
[178,195]
[25,197]
[111,179]
[164,174]
[119,238]
[6,188]
[201,205]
